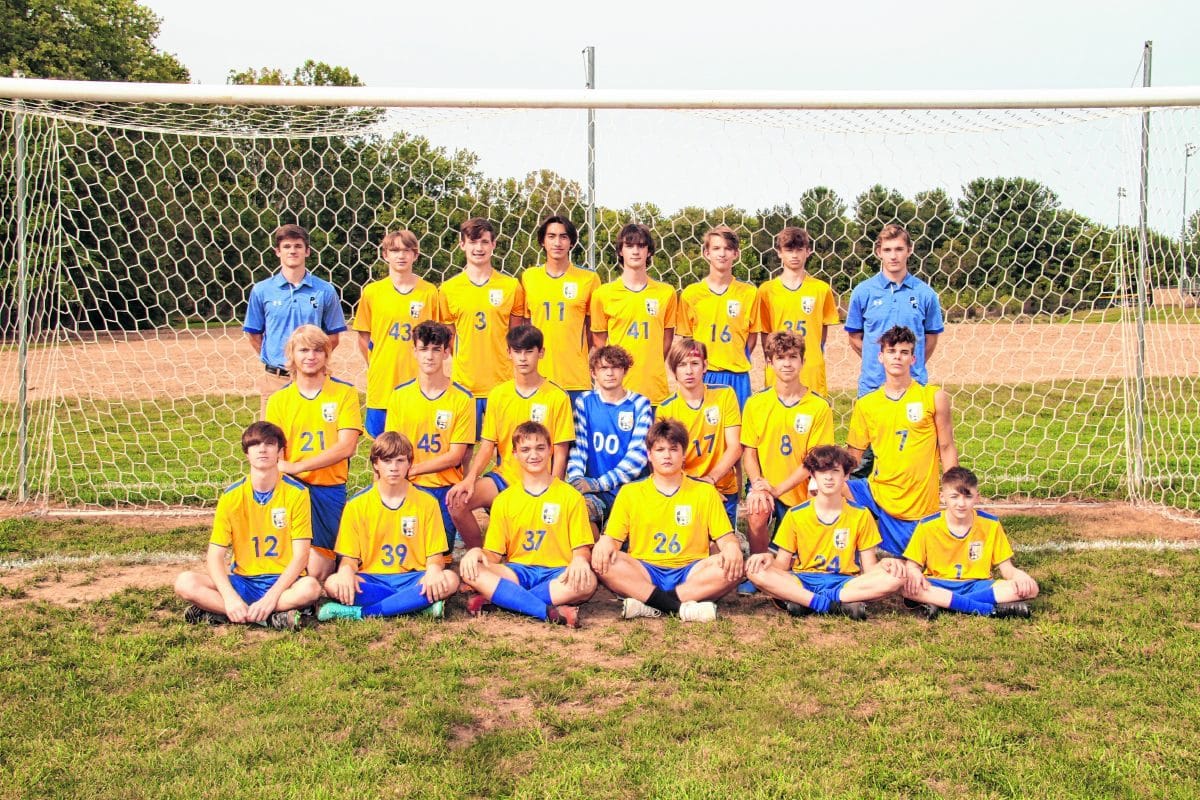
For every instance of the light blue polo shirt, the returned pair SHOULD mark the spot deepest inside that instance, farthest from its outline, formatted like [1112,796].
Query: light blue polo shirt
[877,305]
[277,308]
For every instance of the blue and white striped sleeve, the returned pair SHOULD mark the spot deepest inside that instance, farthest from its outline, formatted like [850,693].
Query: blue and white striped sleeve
[577,463]
[634,461]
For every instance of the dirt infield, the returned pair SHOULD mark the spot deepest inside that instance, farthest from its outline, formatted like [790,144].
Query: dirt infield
[170,364]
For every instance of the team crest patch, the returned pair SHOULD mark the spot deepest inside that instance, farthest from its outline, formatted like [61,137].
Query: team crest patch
[551,513]
[442,419]
[415,308]
[570,290]
[914,412]
[538,412]
[329,412]
[975,551]
[496,297]
[625,420]
[712,415]
[683,515]
[912,301]
[652,306]
[279,518]
[408,526]
[808,304]
[841,538]
[733,307]
[802,423]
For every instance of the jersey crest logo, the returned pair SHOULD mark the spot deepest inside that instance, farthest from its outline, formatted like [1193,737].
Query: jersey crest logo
[802,423]
[808,304]
[279,518]
[841,538]
[912,301]
[733,307]
[442,419]
[712,415]
[652,306]
[975,551]
[914,412]
[538,412]
[495,297]
[415,308]
[312,301]
[550,513]
[408,526]
[570,290]
[683,515]
[625,420]
[329,412]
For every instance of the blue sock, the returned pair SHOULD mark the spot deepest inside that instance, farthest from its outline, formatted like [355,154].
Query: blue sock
[965,605]
[512,597]
[820,603]
[404,601]
[542,592]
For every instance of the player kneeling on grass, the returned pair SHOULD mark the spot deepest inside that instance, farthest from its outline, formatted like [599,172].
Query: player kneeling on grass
[669,520]
[540,526]
[390,542]
[266,519]
[951,554]
[826,557]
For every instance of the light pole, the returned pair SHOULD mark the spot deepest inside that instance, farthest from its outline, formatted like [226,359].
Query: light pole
[1189,150]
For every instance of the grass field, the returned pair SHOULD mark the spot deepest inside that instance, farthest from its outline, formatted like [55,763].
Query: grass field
[1053,440]
[1095,697]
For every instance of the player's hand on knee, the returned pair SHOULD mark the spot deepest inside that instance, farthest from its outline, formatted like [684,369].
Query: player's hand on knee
[460,494]
[470,564]
[759,502]
[578,575]
[914,582]
[758,562]
[604,555]
[893,567]
[236,610]
[260,609]
[1025,585]
[340,588]
[732,565]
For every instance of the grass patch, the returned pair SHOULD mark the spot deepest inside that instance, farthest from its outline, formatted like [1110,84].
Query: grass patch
[38,538]
[1154,315]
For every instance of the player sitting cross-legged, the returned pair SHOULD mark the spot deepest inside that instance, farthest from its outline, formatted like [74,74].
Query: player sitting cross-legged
[265,519]
[826,557]
[669,521]
[952,553]
[536,559]
[390,545]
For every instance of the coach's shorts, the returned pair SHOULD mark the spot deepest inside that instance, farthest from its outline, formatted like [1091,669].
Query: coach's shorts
[981,590]
[738,381]
[440,492]
[480,410]
[328,502]
[501,484]
[536,580]
[251,588]
[667,578]
[599,506]
[829,582]
[730,501]
[896,533]
[375,421]
[374,589]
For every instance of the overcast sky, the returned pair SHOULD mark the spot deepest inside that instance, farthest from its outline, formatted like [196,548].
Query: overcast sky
[705,45]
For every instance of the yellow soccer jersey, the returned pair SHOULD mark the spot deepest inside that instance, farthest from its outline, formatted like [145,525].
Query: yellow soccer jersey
[638,322]
[559,307]
[261,534]
[432,424]
[706,426]
[390,316]
[480,315]
[507,409]
[722,321]
[832,547]
[312,425]
[540,530]
[390,540]
[668,530]
[784,434]
[808,310]
[966,558]
[902,432]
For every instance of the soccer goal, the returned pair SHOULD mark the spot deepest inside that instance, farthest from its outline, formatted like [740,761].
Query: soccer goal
[135,218]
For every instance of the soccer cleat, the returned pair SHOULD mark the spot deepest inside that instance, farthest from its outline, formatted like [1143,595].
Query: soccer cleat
[855,611]
[1017,608]
[928,611]
[436,610]
[632,608]
[747,589]
[697,611]
[331,611]
[477,604]
[195,615]
[797,609]
[568,616]
[284,621]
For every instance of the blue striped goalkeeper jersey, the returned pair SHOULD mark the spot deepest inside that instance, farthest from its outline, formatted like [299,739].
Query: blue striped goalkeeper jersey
[610,439]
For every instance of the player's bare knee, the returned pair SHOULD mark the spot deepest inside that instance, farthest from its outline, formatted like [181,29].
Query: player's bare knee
[186,585]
